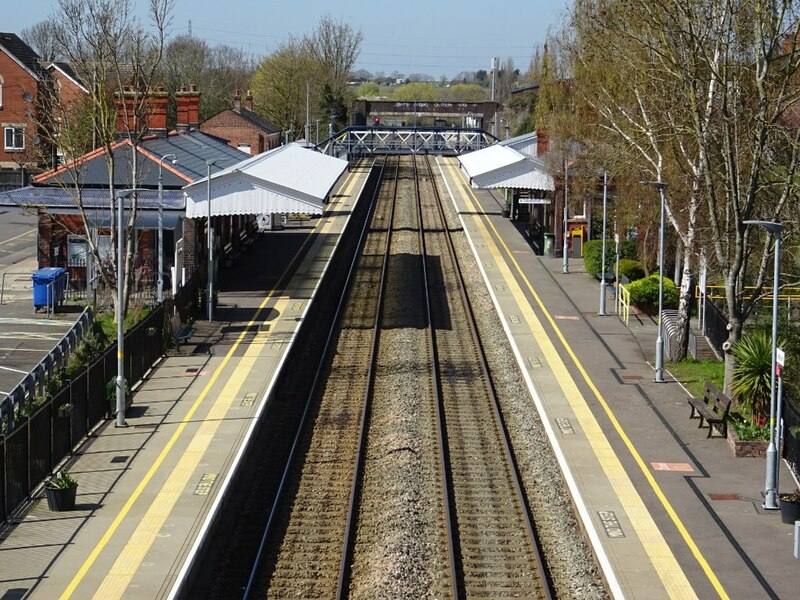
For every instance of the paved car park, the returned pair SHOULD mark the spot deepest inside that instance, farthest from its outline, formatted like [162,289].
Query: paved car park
[26,336]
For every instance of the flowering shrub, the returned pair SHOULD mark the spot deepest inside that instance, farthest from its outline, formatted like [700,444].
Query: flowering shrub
[756,429]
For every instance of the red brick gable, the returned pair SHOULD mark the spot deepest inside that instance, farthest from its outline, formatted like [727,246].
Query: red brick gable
[20,91]
[239,131]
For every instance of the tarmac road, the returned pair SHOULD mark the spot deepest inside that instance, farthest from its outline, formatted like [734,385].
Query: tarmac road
[25,336]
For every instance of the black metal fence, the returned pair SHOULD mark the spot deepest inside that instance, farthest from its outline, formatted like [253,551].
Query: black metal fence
[38,443]
[715,325]
[791,435]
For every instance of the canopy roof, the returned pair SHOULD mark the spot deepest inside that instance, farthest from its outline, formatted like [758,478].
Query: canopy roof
[288,179]
[500,166]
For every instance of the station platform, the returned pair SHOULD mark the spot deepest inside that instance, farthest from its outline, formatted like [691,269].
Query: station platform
[670,513]
[146,491]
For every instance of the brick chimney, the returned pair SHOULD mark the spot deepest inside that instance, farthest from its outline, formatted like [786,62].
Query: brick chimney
[542,141]
[248,101]
[237,101]
[187,101]
[153,113]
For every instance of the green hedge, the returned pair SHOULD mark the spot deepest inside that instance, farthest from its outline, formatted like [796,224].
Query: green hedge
[594,248]
[592,252]
[644,292]
[632,269]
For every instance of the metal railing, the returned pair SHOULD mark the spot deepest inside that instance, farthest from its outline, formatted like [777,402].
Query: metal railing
[623,303]
[715,325]
[35,444]
[355,142]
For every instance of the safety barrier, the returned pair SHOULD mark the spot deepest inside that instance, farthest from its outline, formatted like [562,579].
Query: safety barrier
[33,383]
[35,444]
[623,303]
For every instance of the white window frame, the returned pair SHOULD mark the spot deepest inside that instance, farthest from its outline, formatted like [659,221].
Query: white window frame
[18,131]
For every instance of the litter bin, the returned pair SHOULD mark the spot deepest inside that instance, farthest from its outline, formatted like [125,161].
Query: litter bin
[49,285]
[549,240]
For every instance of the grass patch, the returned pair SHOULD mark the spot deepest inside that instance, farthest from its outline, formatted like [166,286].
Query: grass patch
[693,374]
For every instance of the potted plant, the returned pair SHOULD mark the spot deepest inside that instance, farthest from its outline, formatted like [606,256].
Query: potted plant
[61,490]
[790,506]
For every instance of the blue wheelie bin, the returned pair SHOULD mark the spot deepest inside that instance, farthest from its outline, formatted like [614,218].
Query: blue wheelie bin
[49,285]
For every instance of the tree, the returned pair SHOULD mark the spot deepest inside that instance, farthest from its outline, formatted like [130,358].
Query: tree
[416,91]
[466,92]
[697,91]
[370,89]
[290,81]
[118,60]
[220,70]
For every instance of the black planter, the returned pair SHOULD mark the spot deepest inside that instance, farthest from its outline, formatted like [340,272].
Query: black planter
[790,511]
[59,499]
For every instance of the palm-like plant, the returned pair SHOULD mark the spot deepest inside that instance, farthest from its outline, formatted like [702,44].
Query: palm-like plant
[752,373]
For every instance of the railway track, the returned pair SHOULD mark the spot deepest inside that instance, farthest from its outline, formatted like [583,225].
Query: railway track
[403,483]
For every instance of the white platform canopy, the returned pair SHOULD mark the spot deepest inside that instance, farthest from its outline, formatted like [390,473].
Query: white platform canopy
[503,167]
[288,179]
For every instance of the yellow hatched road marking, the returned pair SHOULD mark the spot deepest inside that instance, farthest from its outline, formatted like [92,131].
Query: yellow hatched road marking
[116,583]
[667,567]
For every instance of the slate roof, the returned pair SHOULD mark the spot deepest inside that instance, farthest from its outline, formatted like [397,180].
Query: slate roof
[191,148]
[258,120]
[58,197]
[15,47]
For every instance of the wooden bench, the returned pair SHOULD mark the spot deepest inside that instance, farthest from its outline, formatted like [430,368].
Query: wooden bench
[180,333]
[231,254]
[245,240]
[712,408]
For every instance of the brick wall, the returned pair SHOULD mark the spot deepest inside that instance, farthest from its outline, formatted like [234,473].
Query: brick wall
[237,130]
[20,92]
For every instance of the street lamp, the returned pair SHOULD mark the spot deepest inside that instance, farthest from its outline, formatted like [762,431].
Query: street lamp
[565,249]
[506,126]
[771,484]
[161,225]
[120,381]
[210,297]
[602,311]
[662,190]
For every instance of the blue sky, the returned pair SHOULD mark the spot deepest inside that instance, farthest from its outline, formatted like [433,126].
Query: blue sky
[435,37]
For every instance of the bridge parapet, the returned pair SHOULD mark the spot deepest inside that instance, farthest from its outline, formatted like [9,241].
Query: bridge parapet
[355,142]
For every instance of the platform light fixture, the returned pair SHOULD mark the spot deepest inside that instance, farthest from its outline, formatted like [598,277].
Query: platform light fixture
[174,160]
[210,241]
[120,380]
[662,192]
[771,480]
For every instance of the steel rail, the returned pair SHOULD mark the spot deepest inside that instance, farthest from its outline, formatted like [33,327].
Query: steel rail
[501,428]
[257,562]
[350,526]
[437,386]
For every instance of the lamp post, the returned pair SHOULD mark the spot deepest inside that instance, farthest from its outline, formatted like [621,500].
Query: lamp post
[161,225]
[662,190]
[602,311]
[210,296]
[771,483]
[120,381]
[565,248]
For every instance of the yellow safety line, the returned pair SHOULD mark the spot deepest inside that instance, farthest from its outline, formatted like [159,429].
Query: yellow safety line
[17,236]
[617,426]
[130,566]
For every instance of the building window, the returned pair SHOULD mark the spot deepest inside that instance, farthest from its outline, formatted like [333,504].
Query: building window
[15,138]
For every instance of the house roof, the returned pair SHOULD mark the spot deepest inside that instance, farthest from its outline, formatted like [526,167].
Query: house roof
[257,120]
[68,72]
[288,179]
[192,149]
[22,54]
[64,198]
[503,167]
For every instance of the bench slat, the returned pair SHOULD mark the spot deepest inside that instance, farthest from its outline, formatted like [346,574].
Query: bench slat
[712,409]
